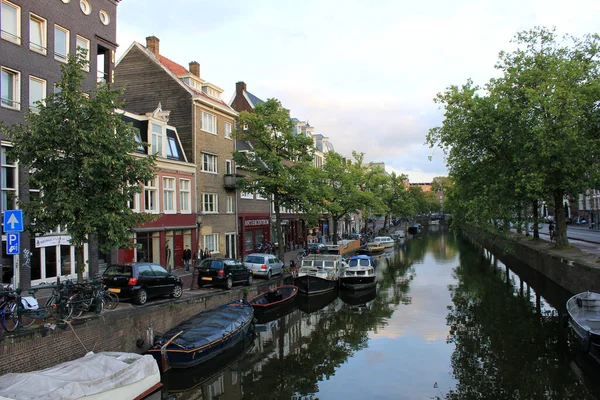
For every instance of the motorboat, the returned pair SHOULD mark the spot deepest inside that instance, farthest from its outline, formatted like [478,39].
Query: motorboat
[95,376]
[319,273]
[274,299]
[386,241]
[375,248]
[204,336]
[360,273]
[397,235]
[414,229]
[583,310]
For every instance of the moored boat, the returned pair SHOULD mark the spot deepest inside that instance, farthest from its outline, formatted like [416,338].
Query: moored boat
[204,336]
[360,273]
[584,318]
[106,375]
[274,299]
[386,241]
[319,273]
[375,248]
[315,302]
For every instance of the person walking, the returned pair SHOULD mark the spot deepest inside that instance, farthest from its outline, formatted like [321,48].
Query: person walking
[551,230]
[187,256]
[206,253]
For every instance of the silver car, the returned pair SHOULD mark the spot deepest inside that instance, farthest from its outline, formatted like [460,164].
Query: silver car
[264,265]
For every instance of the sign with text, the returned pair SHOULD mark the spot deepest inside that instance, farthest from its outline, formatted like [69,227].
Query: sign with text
[47,241]
[13,243]
[256,222]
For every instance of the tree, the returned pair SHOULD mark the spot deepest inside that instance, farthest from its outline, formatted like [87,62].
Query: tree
[396,198]
[80,155]
[279,167]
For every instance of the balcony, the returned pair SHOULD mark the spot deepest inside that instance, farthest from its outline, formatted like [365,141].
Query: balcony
[230,181]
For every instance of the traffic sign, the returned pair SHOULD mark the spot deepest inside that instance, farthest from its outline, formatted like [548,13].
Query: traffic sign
[13,243]
[13,220]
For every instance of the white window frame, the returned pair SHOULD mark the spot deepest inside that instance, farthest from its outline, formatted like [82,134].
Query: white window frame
[33,107]
[247,195]
[229,205]
[210,163]
[134,205]
[15,102]
[259,197]
[41,24]
[228,167]
[212,244]
[185,196]
[81,40]
[104,17]
[227,130]
[7,168]
[209,123]
[156,139]
[59,56]
[151,192]
[169,204]
[13,37]
[85,7]
[210,203]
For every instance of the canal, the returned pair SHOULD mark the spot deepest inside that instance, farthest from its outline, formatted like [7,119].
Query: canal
[448,320]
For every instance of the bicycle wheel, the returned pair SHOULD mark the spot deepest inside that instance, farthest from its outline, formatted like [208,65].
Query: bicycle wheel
[59,309]
[78,305]
[111,300]
[11,319]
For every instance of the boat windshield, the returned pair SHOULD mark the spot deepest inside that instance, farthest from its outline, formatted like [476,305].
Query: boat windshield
[329,264]
[359,262]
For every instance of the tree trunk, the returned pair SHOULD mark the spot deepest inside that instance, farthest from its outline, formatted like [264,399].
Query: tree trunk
[536,220]
[559,221]
[79,262]
[519,222]
[335,228]
[278,230]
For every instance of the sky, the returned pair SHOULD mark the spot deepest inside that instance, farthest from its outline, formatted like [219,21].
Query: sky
[364,74]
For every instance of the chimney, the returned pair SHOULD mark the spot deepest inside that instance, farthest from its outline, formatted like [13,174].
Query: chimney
[152,43]
[240,87]
[195,68]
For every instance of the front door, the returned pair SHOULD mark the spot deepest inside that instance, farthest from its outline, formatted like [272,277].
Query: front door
[178,250]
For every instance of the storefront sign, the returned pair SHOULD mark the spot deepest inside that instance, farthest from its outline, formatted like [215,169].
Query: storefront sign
[256,222]
[47,241]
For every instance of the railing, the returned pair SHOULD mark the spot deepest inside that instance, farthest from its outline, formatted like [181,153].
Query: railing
[230,181]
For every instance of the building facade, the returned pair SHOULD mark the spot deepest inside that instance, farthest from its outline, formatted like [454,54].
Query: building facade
[204,125]
[36,39]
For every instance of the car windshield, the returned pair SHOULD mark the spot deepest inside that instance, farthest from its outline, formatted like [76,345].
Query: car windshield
[255,260]
[213,264]
[118,270]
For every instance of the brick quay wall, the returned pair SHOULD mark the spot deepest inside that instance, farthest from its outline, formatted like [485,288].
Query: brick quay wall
[123,329]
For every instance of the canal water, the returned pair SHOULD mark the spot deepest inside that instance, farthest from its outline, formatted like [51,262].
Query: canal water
[448,320]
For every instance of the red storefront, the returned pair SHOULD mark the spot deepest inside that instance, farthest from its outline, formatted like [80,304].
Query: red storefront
[252,229]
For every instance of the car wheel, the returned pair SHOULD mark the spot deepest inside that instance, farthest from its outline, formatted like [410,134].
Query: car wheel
[177,291]
[200,284]
[250,280]
[141,297]
[269,275]
[229,283]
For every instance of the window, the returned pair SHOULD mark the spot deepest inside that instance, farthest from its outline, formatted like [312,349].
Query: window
[209,163]
[37,92]
[227,130]
[138,139]
[229,205]
[11,22]
[150,197]
[228,169]
[134,204]
[11,89]
[157,138]
[209,203]
[85,7]
[168,195]
[209,123]
[83,45]
[245,195]
[259,196]
[211,92]
[61,43]
[37,34]
[104,17]
[9,182]
[185,199]
[172,149]
[211,242]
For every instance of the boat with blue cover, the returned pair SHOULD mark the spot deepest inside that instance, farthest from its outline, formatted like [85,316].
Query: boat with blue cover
[359,274]
[204,336]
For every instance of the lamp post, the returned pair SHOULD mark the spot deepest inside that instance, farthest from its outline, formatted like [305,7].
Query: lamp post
[194,284]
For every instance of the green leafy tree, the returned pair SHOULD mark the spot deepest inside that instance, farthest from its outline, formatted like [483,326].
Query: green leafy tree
[396,197]
[80,155]
[279,167]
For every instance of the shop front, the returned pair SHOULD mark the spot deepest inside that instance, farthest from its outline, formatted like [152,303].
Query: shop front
[253,230]
[52,256]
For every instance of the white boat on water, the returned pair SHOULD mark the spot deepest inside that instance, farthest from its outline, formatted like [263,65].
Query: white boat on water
[386,241]
[319,273]
[584,318]
[360,273]
[95,376]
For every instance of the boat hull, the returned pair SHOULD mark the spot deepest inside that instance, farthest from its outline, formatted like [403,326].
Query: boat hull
[274,302]
[583,310]
[313,284]
[358,282]
[315,302]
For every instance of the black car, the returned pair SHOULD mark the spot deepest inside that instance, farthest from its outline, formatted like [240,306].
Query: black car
[141,281]
[223,272]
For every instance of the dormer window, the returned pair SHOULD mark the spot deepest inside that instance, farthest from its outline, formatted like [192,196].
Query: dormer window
[211,92]
[193,83]
[156,139]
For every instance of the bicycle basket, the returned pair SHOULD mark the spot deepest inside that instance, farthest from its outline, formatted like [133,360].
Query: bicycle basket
[30,303]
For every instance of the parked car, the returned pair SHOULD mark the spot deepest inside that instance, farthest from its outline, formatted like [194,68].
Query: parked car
[223,272]
[264,265]
[141,281]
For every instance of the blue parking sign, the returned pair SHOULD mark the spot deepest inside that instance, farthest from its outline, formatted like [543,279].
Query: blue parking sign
[13,220]
[13,243]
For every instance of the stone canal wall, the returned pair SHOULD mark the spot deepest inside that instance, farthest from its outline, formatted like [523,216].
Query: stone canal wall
[123,329]
[573,269]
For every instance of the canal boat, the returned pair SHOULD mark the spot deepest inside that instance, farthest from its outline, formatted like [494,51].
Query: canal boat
[204,336]
[583,310]
[313,303]
[274,299]
[95,376]
[360,273]
[386,241]
[319,273]
[375,248]
[414,229]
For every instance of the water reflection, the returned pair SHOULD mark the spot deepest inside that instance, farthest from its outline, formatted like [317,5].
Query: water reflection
[447,320]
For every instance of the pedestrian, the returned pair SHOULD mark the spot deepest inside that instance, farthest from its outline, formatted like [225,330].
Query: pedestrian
[187,256]
[551,230]
[206,253]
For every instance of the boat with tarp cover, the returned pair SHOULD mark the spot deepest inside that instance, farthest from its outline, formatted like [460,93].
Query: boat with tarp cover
[204,336]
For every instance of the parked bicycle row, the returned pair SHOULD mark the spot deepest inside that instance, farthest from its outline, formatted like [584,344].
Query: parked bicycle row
[66,299]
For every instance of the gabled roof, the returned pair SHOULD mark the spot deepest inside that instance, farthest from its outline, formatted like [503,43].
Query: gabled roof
[252,99]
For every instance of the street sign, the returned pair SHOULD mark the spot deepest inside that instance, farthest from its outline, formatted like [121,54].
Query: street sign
[13,243]
[13,220]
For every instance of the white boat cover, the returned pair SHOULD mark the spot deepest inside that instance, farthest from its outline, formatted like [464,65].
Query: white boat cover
[87,377]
